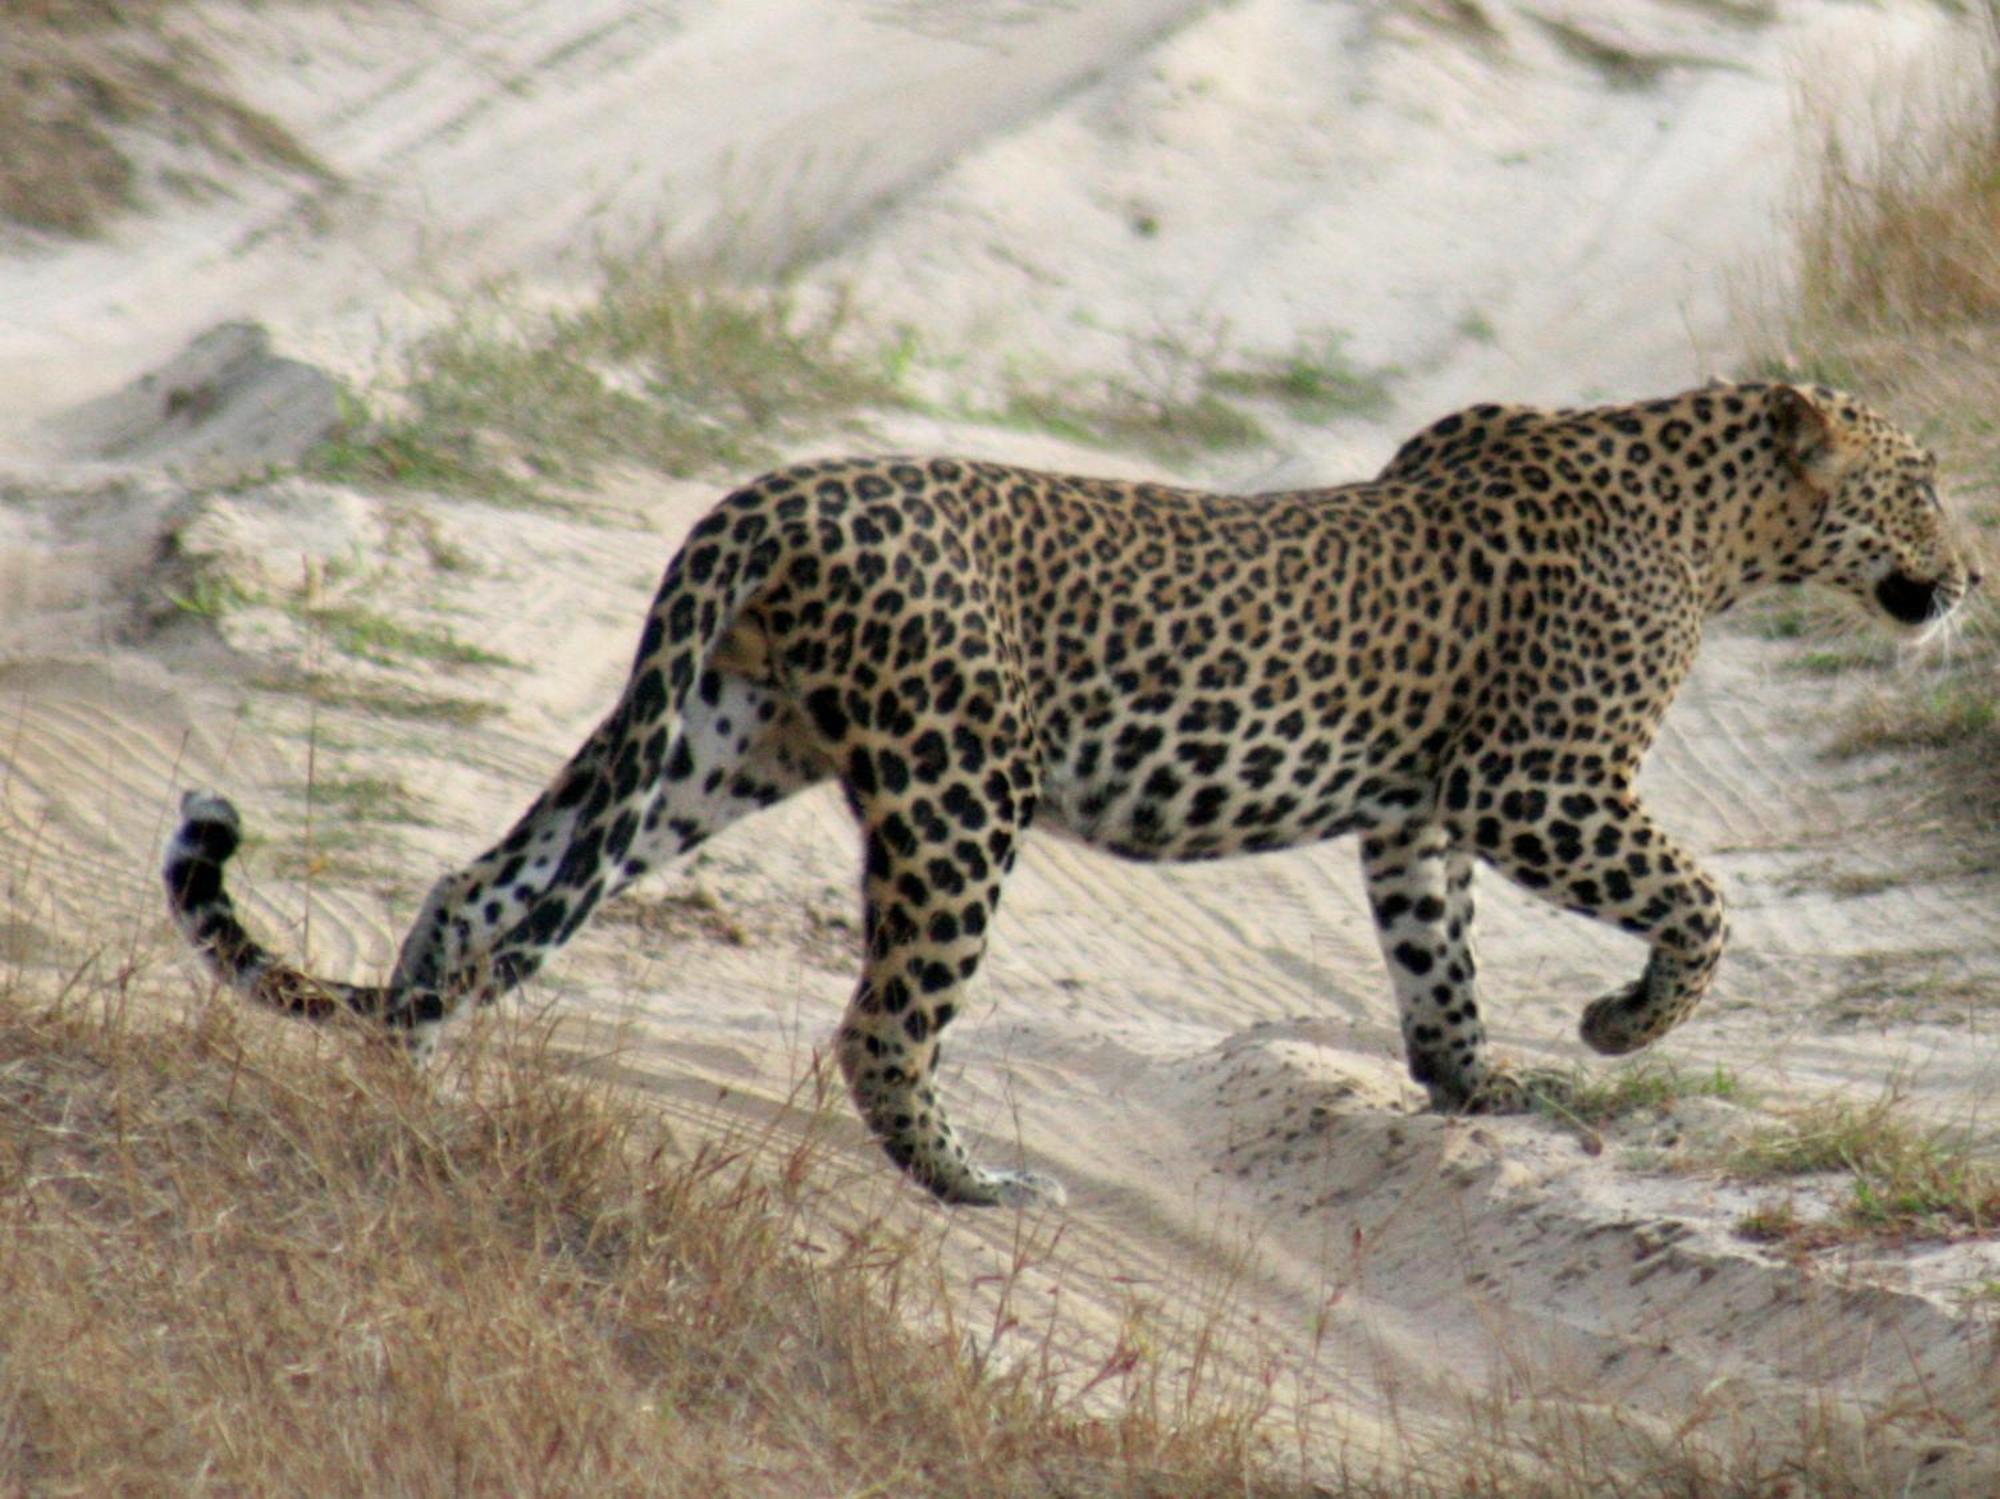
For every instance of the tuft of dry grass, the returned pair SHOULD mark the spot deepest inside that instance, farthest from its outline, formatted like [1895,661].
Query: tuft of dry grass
[246,1260]
[1898,296]
[1906,237]
[79,78]
[240,1257]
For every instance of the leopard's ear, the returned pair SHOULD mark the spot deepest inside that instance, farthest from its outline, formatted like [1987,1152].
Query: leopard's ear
[1808,430]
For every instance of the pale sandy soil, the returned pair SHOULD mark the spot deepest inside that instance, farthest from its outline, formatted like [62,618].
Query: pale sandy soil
[1208,1056]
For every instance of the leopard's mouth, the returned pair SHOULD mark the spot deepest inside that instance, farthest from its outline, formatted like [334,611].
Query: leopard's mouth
[1913,601]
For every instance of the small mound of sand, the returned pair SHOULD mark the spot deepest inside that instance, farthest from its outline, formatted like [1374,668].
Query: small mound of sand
[225,404]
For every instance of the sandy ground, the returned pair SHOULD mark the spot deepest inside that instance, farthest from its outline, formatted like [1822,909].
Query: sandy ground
[1207,1057]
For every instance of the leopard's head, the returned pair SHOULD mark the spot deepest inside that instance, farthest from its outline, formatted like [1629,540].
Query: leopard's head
[1872,523]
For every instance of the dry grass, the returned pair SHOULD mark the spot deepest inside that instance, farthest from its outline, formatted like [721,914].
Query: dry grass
[241,1258]
[80,79]
[1899,298]
[1903,236]
[235,1264]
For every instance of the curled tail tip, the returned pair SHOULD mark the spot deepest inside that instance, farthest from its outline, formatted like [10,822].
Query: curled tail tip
[199,806]
[210,829]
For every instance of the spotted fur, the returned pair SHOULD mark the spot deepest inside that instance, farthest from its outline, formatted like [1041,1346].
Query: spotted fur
[1462,660]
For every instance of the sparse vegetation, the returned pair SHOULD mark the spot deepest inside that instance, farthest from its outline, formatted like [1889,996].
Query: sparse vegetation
[248,1258]
[1907,986]
[1899,297]
[1591,1097]
[361,632]
[80,79]
[1955,712]
[1314,383]
[659,370]
[260,1268]
[209,594]
[364,799]
[1837,661]
[405,452]
[1905,1180]
[1171,428]
[1185,401]
[683,376]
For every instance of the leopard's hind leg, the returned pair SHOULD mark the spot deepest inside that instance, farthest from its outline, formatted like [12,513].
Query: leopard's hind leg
[736,748]
[938,842]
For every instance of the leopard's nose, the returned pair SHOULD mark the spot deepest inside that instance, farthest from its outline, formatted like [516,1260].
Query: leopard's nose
[1973,578]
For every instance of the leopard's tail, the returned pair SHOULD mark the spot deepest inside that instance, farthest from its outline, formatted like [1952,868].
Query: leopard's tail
[487,927]
[209,834]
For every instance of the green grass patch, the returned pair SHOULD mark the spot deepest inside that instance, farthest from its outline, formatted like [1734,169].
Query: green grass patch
[364,799]
[1782,614]
[1175,429]
[658,369]
[1599,1096]
[417,452]
[209,594]
[1838,661]
[1905,1180]
[1587,1099]
[369,636]
[1315,383]
[1171,428]
[1185,402]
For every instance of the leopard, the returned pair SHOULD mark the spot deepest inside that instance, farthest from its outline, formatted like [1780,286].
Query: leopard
[1462,661]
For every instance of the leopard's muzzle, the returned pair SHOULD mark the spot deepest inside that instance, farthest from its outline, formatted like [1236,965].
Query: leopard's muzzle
[1918,601]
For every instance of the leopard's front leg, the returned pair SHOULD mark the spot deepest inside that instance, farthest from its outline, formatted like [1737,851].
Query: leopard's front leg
[1597,853]
[1420,889]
